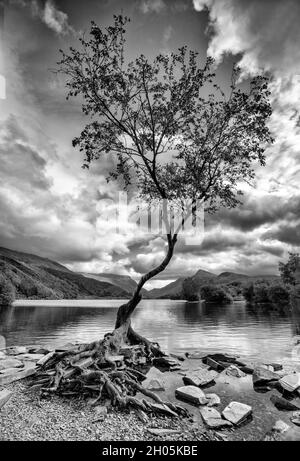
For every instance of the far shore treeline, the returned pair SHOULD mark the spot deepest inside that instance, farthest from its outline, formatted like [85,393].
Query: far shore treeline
[26,276]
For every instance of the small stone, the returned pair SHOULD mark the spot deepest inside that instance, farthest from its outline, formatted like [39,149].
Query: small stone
[213,400]
[295,418]
[16,350]
[5,395]
[28,370]
[10,363]
[213,419]
[237,412]
[191,394]
[232,370]
[280,426]
[162,432]
[290,382]
[155,385]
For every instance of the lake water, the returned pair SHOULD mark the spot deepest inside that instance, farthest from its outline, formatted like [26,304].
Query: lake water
[177,326]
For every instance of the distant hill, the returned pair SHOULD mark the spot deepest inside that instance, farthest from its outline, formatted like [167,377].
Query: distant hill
[201,277]
[123,281]
[172,290]
[34,277]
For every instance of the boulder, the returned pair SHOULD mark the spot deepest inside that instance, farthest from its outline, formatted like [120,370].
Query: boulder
[5,395]
[261,375]
[213,400]
[10,363]
[295,418]
[283,404]
[233,370]
[237,412]
[213,419]
[191,394]
[290,382]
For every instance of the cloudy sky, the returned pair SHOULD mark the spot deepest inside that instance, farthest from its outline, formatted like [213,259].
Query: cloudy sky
[52,207]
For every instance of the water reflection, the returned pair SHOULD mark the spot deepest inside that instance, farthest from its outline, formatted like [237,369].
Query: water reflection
[177,326]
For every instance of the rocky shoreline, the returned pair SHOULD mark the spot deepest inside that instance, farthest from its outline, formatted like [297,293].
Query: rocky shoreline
[226,399]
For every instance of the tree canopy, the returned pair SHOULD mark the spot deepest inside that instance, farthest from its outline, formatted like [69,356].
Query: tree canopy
[172,129]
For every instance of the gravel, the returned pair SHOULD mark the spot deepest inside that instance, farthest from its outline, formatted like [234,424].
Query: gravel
[26,417]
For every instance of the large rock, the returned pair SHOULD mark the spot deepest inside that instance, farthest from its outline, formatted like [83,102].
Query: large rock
[237,412]
[191,394]
[10,363]
[290,382]
[283,404]
[213,419]
[201,377]
[261,375]
[5,395]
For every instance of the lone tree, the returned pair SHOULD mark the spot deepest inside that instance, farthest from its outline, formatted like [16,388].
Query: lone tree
[139,112]
[7,292]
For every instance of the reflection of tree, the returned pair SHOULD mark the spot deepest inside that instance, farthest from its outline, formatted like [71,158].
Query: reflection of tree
[20,325]
[296,316]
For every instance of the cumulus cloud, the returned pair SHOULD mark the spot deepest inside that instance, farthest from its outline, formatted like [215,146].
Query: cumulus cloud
[49,14]
[152,6]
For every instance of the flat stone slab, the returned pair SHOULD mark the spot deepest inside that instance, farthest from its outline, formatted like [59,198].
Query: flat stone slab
[155,380]
[261,375]
[290,382]
[10,363]
[213,418]
[5,395]
[192,394]
[237,412]
[202,377]
[31,357]
[161,432]
[16,350]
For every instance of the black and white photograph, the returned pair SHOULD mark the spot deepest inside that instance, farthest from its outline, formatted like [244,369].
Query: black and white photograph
[149,224]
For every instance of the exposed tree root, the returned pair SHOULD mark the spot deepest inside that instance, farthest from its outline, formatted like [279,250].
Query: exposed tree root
[112,368]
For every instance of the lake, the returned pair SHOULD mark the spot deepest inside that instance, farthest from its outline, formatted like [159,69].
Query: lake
[178,326]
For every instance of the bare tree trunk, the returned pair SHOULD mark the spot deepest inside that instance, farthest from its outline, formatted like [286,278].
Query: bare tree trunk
[125,311]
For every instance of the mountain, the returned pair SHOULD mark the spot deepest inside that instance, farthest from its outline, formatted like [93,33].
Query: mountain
[201,277]
[123,281]
[35,278]
[172,290]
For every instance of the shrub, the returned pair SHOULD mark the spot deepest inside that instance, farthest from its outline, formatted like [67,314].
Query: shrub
[278,294]
[215,294]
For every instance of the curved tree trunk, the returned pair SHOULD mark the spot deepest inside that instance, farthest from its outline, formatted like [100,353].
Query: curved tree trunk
[125,311]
